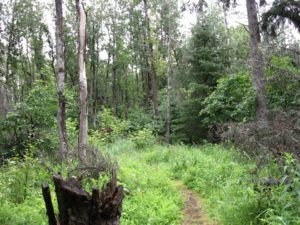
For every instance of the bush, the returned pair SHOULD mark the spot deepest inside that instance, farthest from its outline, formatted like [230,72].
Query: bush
[32,122]
[143,138]
[282,202]
[233,100]
[111,128]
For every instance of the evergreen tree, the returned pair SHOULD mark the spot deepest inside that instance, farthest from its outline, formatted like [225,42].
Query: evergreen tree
[207,59]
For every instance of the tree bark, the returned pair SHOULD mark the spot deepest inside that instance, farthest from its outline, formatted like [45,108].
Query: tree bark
[257,63]
[126,108]
[77,207]
[152,61]
[114,61]
[168,122]
[48,203]
[61,77]
[83,97]
[106,80]
[94,63]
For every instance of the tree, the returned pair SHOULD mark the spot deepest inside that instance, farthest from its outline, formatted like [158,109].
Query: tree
[257,63]
[205,60]
[60,70]
[150,55]
[168,122]
[83,93]
[281,11]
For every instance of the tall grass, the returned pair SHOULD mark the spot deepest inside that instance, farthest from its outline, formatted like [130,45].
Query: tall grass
[230,184]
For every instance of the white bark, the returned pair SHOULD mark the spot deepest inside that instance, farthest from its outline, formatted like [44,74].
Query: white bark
[83,117]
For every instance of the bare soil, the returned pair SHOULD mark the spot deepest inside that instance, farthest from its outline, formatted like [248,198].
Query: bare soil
[193,213]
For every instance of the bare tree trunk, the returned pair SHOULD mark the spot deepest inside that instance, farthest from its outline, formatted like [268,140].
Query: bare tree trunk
[168,124]
[152,61]
[83,118]
[94,63]
[61,77]
[114,61]
[145,69]
[257,63]
[126,94]
[226,23]
[106,80]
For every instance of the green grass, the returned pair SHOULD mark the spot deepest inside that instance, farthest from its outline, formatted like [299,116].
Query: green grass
[222,177]
[225,181]
[150,197]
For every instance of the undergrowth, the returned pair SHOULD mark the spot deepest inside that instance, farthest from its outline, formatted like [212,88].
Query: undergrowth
[150,197]
[234,190]
[230,185]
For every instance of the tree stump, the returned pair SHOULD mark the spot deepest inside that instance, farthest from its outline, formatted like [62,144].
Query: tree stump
[77,207]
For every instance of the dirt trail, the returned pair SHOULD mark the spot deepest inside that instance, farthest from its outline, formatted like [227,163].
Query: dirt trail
[193,213]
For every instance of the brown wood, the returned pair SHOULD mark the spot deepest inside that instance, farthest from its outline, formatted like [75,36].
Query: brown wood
[150,53]
[257,63]
[78,207]
[48,204]
[61,84]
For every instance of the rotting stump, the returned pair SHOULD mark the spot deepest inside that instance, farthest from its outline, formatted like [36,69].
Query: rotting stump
[78,207]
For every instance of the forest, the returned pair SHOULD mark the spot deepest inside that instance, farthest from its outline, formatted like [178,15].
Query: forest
[150,112]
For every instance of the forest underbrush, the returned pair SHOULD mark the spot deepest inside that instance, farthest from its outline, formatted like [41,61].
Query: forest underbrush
[233,190]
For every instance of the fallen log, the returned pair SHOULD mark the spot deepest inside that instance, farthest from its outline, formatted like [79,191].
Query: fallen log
[78,207]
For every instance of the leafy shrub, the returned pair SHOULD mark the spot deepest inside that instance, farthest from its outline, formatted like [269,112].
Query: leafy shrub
[233,100]
[143,138]
[138,119]
[31,123]
[282,202]
[283,83]
[111,128]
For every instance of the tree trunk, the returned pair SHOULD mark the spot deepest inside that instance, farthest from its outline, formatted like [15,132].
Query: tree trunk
[61,77]
[145,69]
[114,60]
[94,63]
[168,122]
[152,61]
[226,23]
[257,63]
[77,207]
[114,83]
[126,94]
[83,118]
[106,80]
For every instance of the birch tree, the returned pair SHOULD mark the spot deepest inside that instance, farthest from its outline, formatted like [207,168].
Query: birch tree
[83,95]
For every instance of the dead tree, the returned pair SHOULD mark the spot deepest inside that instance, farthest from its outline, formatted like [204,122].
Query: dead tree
[78,207]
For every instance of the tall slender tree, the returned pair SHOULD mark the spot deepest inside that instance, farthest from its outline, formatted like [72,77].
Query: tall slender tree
[168,124]
[257,62]
[60,71]
[83,96]
[150,54]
